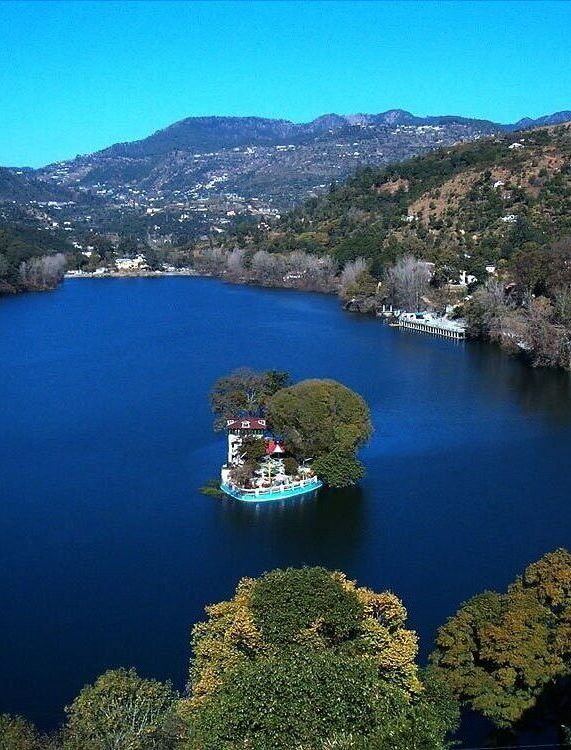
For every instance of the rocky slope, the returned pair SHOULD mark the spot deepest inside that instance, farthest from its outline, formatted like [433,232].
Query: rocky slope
[462,207]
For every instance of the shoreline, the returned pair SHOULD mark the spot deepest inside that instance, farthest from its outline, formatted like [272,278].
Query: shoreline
[124,275]
[192,273]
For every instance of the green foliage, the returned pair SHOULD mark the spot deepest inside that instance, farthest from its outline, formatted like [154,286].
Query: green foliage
[314,699]
[420,724]
[319,418]
[4,266]
[17,733]
[253,450]
[461,208]
[339,469]
[20,243]
[121,711]
[153,258]
[500,651]
[303,658]
[128,247]
[244,391]
[281,702]
[530,267]
[291,466]
[238,631]
[212,489]
[285,603]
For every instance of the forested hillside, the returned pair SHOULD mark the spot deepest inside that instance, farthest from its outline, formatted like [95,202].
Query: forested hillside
[21,187]
[461,207]
[498,209]
[30,259]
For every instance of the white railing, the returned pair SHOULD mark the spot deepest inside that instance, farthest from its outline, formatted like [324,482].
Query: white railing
[435,326]
[273,488]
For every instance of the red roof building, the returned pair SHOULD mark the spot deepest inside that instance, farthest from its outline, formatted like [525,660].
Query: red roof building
[246,423]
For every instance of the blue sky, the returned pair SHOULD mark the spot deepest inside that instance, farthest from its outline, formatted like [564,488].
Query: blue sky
[78,76]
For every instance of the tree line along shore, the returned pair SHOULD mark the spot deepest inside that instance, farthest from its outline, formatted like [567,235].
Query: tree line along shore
[482,229]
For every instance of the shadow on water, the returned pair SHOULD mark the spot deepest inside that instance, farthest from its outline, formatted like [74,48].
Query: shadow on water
[541,726]
[536,390]
[324,527]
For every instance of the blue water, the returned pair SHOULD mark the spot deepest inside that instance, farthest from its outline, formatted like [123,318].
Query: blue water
[108,553]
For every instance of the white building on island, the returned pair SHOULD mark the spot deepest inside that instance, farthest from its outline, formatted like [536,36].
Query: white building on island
[240,428]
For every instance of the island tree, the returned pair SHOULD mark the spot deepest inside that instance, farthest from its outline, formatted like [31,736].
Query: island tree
[244,392]
[500,652]
[305,658]
[325,421]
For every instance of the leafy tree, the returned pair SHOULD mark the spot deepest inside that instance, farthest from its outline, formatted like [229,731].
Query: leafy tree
[101,244]
[319,418]
[500,651]
[303,658]
[244,391]
[127,247]
[344,617]
[17,733]
[121,711]
[4,266]
[356,280]
[274,380]
[291,466]
[253,450]
[312,595]
[29,259]
[559,279]
[339,469]
[530,268]
[153,257]
[402,724]
[285,701]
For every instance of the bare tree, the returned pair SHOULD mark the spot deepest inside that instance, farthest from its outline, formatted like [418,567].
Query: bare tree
[212,259]
[351,273]
[407,282]
[44,272]
[269,267]
[235,261]
[309,271]
[548,341]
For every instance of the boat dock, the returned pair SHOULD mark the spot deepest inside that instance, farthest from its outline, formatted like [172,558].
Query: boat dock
[437,326]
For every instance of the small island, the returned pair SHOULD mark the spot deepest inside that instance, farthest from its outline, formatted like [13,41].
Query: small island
[276,476]
[287,440]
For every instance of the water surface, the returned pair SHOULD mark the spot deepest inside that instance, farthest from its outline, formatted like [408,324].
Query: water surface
[108,553]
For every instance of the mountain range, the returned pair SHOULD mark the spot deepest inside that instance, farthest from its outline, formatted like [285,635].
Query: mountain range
[202,172]
[215,133]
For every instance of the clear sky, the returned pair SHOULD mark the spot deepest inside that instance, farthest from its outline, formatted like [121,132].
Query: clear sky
[79,76]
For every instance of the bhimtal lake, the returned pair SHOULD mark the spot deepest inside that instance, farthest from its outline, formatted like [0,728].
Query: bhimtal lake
[109,552]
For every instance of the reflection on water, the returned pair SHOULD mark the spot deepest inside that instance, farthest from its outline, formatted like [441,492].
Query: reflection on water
[537,390]
[327,525]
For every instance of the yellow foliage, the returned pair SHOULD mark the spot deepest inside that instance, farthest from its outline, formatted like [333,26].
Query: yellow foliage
[229,637]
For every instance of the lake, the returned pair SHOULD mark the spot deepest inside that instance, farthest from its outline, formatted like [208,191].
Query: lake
[108,551]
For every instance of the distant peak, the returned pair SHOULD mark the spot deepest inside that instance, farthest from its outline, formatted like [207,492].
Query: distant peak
[554,119]
[394,116]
